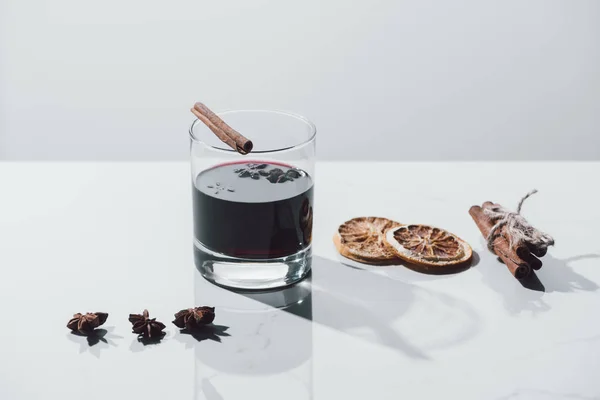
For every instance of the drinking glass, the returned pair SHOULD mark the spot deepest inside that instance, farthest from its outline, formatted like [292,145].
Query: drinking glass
[253,214]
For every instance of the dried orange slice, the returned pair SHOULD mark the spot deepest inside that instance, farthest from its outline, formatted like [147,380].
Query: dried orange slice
[428,246]
[363,239]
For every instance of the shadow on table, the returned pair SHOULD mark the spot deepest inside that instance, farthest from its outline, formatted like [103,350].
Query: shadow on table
[369,305]
[141,343]
[408,272]
[362,304]
[263,349]
[556,275]
[559,276]
[272,331]
[213,333]
[94,343]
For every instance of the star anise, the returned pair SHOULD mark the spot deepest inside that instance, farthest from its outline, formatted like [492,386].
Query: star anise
[84,324]
[276,175]
[253,171]
[193,318]
[145,326]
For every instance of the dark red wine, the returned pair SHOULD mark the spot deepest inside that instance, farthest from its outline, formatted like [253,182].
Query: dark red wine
[253,209]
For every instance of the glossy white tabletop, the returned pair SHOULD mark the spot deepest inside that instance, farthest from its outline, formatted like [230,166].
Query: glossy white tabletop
[117,238]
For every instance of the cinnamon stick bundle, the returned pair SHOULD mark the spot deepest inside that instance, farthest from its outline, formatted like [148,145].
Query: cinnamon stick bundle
[511,237]
[515,263]
[227,134]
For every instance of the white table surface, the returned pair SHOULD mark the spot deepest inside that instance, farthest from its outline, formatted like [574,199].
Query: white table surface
[117,237]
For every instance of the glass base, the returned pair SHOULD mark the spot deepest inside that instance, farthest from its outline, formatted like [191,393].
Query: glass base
[251,274]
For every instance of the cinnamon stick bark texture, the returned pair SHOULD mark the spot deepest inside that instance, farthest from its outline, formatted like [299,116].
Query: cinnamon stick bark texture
[513,262]
[523,251]
[227,134]
[216,130]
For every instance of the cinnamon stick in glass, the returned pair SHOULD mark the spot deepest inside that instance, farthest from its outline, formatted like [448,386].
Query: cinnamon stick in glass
[517,266]
[227,134]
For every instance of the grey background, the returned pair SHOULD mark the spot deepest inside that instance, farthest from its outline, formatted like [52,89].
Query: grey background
[394,80]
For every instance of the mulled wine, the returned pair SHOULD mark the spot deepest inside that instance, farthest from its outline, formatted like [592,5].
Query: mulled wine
[253,209]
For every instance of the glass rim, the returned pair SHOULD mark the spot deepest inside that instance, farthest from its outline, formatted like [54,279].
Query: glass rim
[227,149]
